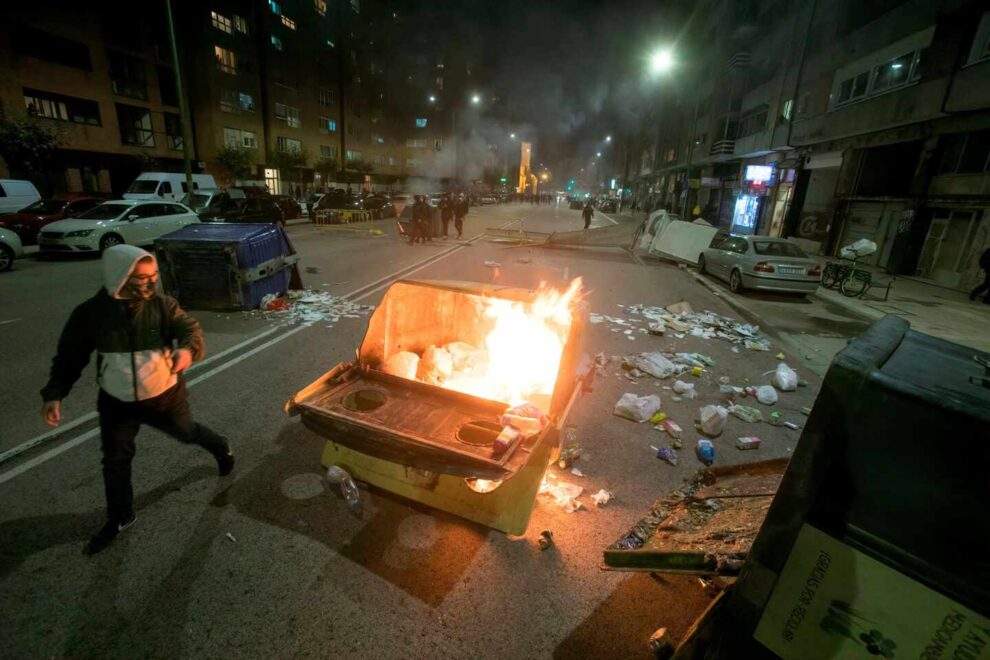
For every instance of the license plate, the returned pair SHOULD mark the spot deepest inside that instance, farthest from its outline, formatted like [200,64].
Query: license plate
[791,271]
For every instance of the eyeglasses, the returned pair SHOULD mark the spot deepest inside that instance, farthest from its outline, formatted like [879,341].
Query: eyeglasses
[145,278]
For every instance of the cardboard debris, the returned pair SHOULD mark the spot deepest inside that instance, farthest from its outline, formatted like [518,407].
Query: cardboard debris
[682,307]
[308,306]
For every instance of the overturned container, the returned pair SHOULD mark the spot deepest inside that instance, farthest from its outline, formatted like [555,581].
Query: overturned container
[435,442]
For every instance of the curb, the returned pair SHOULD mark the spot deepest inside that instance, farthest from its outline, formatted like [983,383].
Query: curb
[872,315]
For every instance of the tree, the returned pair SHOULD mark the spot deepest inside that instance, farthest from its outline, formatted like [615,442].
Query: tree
[327,169]
[236,162]
[28,146]
[290,164]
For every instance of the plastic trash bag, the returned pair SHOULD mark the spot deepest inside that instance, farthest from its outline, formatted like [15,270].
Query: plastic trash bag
[654,364]
[338,476]
[746,413]
[766,395]
[785,379]
[686,390]
[403,364]
[637,408]
[564,494]
[713,420]
[856,249]
[435,366]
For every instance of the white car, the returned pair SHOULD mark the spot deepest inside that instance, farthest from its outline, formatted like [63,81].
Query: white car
[112,223]
[10,248]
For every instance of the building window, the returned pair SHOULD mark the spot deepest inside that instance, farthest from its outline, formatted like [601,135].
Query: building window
[61,108]
[320,6]
[228,100]
[288,22]
[288,114]
[226,60]
[277,44]
[135,126]
[413,162]
[127,77]
[887,76]
[980,50]
[275,7]
[221,22]
[328,152]
[173,131]
[288,145]
[671,155]
[965,153]
[421,122]
[328,125]
[327,96]
[787,110]
[49,47]
[438,144]
[379,161]
[245,102]
[416,143]
[240,24]
[235,137]
[353,155]
[391,161]
[331,43]
[754,122]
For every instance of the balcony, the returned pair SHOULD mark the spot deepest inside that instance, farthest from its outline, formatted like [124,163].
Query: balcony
[738,63]
[724,147]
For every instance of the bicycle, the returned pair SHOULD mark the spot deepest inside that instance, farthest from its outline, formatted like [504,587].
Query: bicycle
[850,281]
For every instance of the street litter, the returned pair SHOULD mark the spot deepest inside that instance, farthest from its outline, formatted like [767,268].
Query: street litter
[776,419]
[576,471]
[602,497]
[785,379]
[712,420]
[657,418]
[526,417]
[731,391]
[746,413]
[658,327]
[805,411]
[792,426]
[231,537]
[756,346]
[564,494]
[338,476]
[493,264]
[308,306]
[682,307]
[667,454]
[546,539]
[766,395]
[636,408]
[682,320]
[686,390]
[654,364]
[705,451]
[568,456]
[672,428]
[781,356]
[748,442]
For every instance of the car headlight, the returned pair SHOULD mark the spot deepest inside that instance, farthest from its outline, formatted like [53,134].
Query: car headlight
[81,232]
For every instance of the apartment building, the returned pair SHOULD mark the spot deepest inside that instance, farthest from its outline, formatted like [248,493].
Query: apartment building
[831,121]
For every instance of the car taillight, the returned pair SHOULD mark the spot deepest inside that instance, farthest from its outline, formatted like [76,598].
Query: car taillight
[815,272]
[763,267]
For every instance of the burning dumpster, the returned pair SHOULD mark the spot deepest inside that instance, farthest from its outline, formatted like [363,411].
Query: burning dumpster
[456,397]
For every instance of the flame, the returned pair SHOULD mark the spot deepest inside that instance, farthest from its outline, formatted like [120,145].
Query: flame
[523,348]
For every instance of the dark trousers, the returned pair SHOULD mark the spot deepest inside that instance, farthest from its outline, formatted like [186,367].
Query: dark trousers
[983,288]
[459,225]
[446,224]
[119,425]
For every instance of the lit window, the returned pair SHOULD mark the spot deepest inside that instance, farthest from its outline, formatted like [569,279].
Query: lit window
[327,124]
[61,108]
[320,6]
[226,60]
[232,137]
[246,102]
[288,22]
[275,7]
[240,24]
[249,139]
[331,43]
[415,144]
[221,22]
[391,160]
[421,123]
[353,155]
[277,43]
[288,145]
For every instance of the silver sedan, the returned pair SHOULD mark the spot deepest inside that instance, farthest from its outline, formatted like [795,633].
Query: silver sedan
[761,262]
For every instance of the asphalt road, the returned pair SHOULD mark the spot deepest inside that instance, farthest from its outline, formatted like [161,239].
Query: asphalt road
[268,562]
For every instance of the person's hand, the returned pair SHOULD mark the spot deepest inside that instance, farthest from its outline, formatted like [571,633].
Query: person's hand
[52,412]
[181,360]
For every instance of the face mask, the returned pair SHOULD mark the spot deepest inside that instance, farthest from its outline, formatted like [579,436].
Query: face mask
[133,291]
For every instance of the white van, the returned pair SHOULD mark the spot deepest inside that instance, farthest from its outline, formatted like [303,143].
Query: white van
[169,186]
[15,195]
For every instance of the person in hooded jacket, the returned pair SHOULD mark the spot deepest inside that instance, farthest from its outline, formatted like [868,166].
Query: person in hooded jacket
[143,341]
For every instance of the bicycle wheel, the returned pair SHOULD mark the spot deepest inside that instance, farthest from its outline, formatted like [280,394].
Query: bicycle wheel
[855,284]
[830,276]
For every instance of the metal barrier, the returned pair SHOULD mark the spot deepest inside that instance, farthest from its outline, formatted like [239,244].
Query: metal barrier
[341,216]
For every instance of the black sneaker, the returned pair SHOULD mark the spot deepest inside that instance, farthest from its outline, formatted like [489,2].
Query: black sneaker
[106,536]
[225,463]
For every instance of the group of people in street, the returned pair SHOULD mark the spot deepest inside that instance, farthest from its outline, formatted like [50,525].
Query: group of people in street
[451,208]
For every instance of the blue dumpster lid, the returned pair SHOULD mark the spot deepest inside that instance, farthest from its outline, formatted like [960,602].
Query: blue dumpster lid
[219,231]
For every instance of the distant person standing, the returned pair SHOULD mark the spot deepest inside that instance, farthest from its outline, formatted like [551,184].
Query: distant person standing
[446,212]
[460,211]
[587,213]
[420,220]
[985,287]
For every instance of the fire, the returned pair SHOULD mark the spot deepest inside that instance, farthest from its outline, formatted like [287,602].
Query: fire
[522,352]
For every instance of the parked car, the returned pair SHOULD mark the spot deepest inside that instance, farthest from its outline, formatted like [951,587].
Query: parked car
[339,200]
[311,202]
[252,209]
[289,207]
[380,205]
[28,221]
[204,199]
[761,262]
[169,186]
[10,249]
[16,194]
[112,223]
[609,206]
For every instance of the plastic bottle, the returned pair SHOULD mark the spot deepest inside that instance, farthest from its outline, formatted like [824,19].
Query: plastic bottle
[705,451]
[339,476]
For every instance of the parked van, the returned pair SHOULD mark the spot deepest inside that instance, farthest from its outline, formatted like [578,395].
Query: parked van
[16,195]
[168,186]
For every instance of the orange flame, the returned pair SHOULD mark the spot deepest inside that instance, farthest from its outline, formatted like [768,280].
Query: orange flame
[523,349]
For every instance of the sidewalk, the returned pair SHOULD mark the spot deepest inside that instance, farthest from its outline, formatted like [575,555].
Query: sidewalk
[931,309]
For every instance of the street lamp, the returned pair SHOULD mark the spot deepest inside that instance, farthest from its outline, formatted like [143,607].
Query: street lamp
[512,136]
[661,60]
[608,138]
[432,99]
[475,99]
[599,154]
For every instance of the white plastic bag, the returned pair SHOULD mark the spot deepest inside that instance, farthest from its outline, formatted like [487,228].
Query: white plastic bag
[860,248]
[403,364]
[686,390]
[785,379]
[766,395]
[637,408]
[654,364]
[713,420]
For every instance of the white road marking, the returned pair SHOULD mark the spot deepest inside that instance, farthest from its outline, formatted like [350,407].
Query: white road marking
[10,321]
[74,442]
